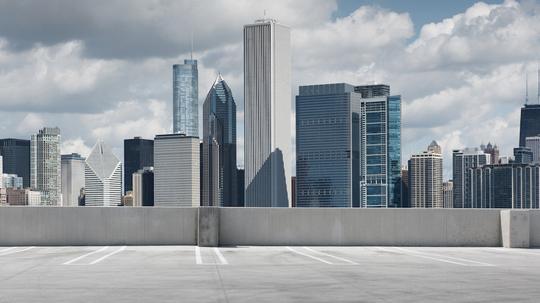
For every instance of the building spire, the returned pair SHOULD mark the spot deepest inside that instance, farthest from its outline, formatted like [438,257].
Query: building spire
[191,54]
[526,88]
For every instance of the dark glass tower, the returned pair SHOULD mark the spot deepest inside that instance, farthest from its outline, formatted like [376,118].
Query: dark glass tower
[16,157]
[529,125]
[138,153]
[219,180]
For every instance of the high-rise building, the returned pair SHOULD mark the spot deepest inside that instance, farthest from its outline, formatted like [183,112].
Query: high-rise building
[514,185]
[529,124]
[240,186]
[462,161]
[12,181]
[72,178]
[186,98]
[493,150]
[533,143]
[143,187]
[176,170]
[103,177]
[380,153]
[138,153]
[267,120]
[523,155]
[425,178]
[328,144]
[448,194]
[45,167]
[219,147]
[405,195]
[293,191]
[16,157]
[20,196]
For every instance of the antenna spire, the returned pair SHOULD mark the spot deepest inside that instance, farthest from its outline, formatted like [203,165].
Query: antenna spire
[191,54]
[526,87]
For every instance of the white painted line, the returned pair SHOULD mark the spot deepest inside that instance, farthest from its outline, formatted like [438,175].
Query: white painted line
[308,255]
[220,256]
[15,251]
[86,255]
[6,249]
[421,256]
[526,251]
[198,258]
[331,256]
[449,257]
[107,255]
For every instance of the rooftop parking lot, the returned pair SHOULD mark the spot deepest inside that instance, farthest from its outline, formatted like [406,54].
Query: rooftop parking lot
[267,274]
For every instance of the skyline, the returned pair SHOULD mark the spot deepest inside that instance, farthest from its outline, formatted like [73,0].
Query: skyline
[66,69]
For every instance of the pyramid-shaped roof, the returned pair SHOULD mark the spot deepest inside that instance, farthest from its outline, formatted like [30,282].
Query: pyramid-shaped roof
[102,160]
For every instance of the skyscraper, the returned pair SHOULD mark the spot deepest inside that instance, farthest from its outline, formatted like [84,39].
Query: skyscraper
[185,98]
[529,124]
[176,170]
[425,178]
[328,146]
[16,155]
[405,195]
[72,178]
[45,175]
[380,153]
[533,143]
[462,161]
[103,177]
[219,147]
[143,187]
[523,155]
[448,194]
[138,153]
[493,150]
[267,121]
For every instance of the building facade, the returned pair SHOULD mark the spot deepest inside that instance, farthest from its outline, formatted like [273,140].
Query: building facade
[529,125]
[143,187]
[138,153]
[425,178]
[523,155]
[462,161]
[267,120]
[73,166]
[12,181]
[176,170]
[186,98]
[448,194]
[492,150]
[45,165]
[103,177]
[16,158]
[405,195]
[533,143]
[218,176]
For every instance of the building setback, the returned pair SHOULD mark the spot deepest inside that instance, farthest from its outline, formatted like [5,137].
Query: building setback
[462,161]
[138,153]
[103,177]
[425,178]
[16,157]
[176,170]
[186,98]
[73,166]
[267,121]
[218,164]
[45,165]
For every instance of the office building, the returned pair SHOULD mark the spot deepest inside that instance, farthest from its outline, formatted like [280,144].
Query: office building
[16,158]
[240,186]
[138,153]
[45,165]
[143,187]
[514,185]
[103,177]
[12,181]
[448,194]
[529,125]
[533,143]
[23,196]
[462,161]
[72,178]
[176,170]
[492,150]
[186,98]
[523,155]
[405,195]
[293,191]
[380,153]
[218,164]
[267,120]
[128,199]
[425,178]
[328,146]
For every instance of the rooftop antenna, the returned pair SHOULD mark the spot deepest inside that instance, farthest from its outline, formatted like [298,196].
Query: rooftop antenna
[191,54]
[264,13]
[526,88]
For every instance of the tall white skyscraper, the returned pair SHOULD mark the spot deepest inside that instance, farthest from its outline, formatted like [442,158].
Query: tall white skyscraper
[102,177]
[534,144]
[45,165]
[176,170]
[73,167]
[267,121]
[425,178]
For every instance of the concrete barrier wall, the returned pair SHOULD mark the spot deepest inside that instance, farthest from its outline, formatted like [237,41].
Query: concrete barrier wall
[408,227]
[97,226]
[534,225]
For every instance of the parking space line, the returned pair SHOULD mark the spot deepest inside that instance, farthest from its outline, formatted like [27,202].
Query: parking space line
[198,258]
[449,257]
[86,255]
[420,255]
[9,252]
[220,256]
[308,255]
[107,255]
[331,256]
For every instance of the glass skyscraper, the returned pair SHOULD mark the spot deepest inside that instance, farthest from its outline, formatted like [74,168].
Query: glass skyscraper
[185,98]
[138,153]
[529,125]
[462,162]
[219,178]
[16,157]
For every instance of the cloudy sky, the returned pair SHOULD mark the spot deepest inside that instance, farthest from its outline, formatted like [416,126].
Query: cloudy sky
[102,69]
